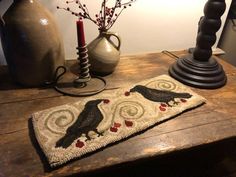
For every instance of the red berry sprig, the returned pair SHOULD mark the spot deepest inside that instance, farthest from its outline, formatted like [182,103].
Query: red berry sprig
[106,17]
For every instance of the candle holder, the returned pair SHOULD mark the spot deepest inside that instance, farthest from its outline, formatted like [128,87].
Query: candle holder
[200,69]
[84,84]
[84,75]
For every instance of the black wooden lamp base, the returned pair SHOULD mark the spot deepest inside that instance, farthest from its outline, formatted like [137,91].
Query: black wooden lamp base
[200,69]
[206,75]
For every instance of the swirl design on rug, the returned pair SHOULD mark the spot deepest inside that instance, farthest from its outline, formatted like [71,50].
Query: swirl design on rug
[162,85]
[58,121]
[129,110]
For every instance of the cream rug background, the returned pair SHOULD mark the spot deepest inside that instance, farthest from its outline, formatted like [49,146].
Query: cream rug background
[72,130]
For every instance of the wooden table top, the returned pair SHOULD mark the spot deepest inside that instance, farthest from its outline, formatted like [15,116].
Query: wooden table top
[21,156]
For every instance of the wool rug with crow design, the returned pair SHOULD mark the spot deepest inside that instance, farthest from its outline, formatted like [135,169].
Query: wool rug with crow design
[69,131]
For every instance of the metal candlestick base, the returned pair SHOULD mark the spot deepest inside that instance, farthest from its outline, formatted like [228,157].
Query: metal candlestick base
[84,85]
[200,69]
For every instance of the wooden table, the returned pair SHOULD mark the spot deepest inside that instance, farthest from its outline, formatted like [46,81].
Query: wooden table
[21,156]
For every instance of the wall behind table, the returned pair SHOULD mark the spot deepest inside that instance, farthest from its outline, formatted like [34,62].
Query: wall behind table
[148,26]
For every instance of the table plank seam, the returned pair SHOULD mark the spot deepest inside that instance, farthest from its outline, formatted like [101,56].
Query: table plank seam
[13,132]
[56,96]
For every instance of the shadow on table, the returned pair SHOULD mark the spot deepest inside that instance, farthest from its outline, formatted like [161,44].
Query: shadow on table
[214,160]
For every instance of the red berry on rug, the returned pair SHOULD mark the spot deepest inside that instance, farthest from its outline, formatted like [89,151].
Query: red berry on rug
[162,109]
[106,101]
[79,144]
[163,105]
[113,129]
[129,123]
[117,125]
[127,93]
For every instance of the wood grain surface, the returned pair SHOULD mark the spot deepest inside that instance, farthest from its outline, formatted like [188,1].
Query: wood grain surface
[20,154]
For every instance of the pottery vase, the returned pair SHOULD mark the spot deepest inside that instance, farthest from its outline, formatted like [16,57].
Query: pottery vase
[31,43]
[104,54]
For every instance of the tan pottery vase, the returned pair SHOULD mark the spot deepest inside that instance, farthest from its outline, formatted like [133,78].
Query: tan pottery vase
[31,43]
[104,54]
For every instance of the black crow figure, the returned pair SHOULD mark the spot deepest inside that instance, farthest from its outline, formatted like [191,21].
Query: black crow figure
[156,95]
[88,120]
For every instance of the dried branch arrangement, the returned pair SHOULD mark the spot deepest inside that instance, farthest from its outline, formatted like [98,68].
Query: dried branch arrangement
[106,17]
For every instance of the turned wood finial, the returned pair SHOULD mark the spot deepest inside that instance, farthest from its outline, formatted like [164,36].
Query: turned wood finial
[200,69]
[209,25]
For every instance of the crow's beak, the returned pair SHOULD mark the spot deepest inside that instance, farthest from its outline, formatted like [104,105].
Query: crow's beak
[132,90]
